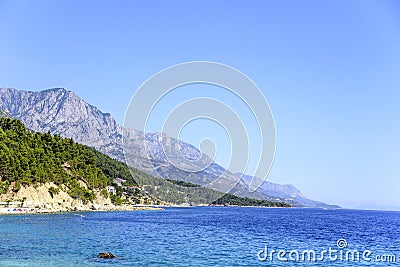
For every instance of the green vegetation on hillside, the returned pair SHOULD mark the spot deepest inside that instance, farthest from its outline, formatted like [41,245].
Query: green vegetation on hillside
[28,158]
[232,200]
[182,183]
[112,168]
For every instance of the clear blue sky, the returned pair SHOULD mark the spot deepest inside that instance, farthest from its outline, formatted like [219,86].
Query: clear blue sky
[329,69]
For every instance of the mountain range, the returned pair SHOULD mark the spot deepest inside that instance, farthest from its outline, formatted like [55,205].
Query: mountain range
[60,111]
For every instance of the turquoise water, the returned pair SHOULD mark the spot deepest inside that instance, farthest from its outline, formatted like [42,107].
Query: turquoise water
[201,236]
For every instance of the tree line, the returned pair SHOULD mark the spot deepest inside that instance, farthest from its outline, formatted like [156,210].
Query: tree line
[29,158]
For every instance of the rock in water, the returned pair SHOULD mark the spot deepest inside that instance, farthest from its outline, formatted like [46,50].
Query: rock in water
[106,255]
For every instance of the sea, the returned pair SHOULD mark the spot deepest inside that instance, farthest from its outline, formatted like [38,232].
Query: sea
[203,236]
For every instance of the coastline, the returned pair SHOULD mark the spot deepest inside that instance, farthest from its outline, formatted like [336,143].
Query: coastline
[18,210]
[114,208]
[39,200]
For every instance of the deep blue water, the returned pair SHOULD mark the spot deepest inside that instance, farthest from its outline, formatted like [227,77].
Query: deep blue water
[202,236]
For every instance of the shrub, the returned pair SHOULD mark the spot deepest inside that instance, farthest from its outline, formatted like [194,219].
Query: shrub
[53,191]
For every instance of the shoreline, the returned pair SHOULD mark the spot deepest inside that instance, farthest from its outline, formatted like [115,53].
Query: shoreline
[21,211]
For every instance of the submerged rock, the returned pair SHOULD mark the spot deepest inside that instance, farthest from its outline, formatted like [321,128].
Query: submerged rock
[106,255]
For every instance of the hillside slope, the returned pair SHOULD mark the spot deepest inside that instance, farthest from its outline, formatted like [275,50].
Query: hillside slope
[58,174]
[75,171]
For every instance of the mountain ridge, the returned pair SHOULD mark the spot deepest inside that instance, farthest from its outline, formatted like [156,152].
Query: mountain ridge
[62,112]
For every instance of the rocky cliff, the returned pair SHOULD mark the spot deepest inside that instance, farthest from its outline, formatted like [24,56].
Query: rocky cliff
[40,199]
[4,114]
[62,112]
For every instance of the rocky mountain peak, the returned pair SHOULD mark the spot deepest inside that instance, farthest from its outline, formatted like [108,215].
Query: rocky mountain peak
[62,112]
